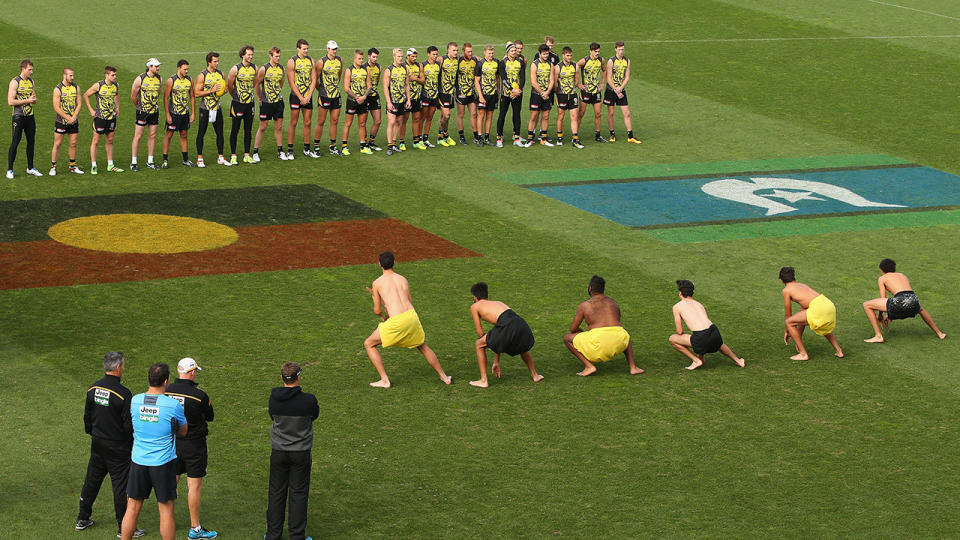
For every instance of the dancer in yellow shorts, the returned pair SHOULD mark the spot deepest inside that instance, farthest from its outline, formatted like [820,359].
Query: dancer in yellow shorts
[605,337]
[391,295]
[818,313]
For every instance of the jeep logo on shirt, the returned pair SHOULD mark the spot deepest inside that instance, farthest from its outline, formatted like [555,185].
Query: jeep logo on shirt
[101,397]
[149,414]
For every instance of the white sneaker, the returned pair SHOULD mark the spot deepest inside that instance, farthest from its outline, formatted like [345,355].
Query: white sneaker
[223,161]
[290,156]
[256,158]
[201,164]
[75,170]
[34,172]
[499,143]
[520,142]
[53,171]
[10,174]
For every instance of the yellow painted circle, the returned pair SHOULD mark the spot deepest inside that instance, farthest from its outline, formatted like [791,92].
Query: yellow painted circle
[142,233]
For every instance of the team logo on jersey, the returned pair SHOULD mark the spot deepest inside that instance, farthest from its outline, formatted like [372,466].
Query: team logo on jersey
[101,397]
[149,414]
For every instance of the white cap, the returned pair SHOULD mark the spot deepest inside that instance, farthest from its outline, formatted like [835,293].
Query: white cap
[186,365]
[332,44]
[153,62]
[411,50]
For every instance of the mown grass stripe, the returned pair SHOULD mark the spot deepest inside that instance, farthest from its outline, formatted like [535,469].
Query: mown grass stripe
[684,170]
[808,226]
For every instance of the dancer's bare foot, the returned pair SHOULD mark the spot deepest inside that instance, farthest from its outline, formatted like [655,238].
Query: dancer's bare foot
[838,354]
[875,339]
[695,364]
[382,383]
[741,362]
[587,371]
[635,371]
[537,378]
[941,335]
[447,380]
[800,357]
[479,384]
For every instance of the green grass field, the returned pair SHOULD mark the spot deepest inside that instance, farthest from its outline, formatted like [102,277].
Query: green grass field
[863,446]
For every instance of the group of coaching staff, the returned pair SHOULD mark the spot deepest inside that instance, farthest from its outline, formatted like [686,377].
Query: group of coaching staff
[410,90]
[145,442]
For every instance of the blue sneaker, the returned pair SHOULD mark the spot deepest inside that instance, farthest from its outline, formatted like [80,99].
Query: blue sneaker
[201,532]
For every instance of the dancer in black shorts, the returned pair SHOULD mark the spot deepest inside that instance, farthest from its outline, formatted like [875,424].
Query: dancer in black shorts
[510,334]
[704,338]
[904,303]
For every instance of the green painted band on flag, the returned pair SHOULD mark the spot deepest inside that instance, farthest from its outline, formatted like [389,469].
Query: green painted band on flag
[686,170]
[29,220]
[794,227]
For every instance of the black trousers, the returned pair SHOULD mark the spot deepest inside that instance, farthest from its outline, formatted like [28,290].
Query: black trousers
[22,125]
[202,130]
[106,457]
[289,476]
[514,104]
[247,122]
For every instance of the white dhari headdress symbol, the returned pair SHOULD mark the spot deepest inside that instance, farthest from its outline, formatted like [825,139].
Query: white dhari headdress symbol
[744,192]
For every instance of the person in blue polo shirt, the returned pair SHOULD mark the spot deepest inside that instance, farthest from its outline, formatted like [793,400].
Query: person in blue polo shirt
[157,420]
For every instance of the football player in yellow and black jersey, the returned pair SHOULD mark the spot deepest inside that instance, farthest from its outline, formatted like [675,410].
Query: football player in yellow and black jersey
[66,104]
[21,95]
[356,83]
[567,75]
[240,83]
[415,73]
[303,80]
[329,70]
[618,75]
[373,101]
[396,90]
[145,94]
[449,67]
[593,78]
[429,97]
[180,111]
[104,116]
[513,73]
[269,87]
[553,57]
[210,86]
[541,87]
[467,92]
[486,82]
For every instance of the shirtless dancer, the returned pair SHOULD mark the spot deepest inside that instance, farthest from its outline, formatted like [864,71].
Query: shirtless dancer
[605,336]
[818,312]
[400,326]
[704,338]
[511,334]
[903,304]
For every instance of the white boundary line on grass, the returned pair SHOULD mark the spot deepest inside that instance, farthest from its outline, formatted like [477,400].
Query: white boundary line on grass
[633,41]
[915,9]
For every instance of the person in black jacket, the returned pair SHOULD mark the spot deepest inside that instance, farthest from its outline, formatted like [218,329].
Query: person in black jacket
[106,418]
[192,447]
[291,439]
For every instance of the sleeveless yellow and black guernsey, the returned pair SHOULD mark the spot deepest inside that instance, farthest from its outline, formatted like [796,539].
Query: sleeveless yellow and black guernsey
[148,99]
[619,70]
[488,71]
[211,79]
[180,95]
[272,83]
[68,99]
[243,83]
[512,74]
[373,71]
[448,75]
[107,100]
[398,84]
[465,73]
[415,87]
[543,72]
[24,91]
[358,80]
[303,67]
[431,82]
[330,77]
[566,79]
[591,73]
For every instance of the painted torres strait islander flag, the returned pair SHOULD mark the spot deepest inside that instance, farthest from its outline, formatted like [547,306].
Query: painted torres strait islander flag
[135,237]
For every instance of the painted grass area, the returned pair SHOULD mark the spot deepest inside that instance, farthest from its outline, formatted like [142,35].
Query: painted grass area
[862,448]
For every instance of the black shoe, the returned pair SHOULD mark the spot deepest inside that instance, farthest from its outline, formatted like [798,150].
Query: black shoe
[188,163]
[599,139]
[152,166]
[463,140]
[133,167]
[83,524]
